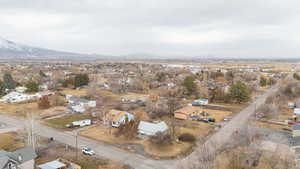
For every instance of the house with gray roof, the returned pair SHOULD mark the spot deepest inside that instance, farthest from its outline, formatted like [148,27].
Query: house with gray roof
[150,129]
[20,159]
[79,105]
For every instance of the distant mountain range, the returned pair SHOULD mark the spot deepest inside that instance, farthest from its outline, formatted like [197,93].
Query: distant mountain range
[12,50]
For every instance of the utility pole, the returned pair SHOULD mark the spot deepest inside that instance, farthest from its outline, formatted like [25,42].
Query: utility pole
[76,144]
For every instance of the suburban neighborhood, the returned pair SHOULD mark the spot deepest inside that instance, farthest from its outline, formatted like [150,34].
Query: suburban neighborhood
[160,112]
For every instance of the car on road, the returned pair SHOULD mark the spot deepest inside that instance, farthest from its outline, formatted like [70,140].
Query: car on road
[88,151]
[227,119]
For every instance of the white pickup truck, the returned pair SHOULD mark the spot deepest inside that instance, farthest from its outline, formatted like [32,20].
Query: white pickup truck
[88,151]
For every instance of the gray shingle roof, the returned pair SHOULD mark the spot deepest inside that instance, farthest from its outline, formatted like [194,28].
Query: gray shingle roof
[26,153]
[296,127]
[78,100]
[20,156]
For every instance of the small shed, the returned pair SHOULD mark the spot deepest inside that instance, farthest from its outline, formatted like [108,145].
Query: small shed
[56,164]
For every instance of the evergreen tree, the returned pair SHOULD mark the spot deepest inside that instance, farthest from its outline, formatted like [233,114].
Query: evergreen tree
[190,85]
[2,88]
[32,86]
[239,92]
[8,81]
[81,80]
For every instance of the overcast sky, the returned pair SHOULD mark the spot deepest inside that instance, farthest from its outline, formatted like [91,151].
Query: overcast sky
[229,28]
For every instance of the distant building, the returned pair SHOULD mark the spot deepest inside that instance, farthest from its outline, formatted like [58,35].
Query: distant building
[20,159]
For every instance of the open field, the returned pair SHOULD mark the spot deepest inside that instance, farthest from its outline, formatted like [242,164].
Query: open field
[18,109]
[53,111]
[10,141]
[74,92]
[61,122]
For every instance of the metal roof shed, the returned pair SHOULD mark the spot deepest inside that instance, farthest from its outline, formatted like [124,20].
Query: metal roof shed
[52,165]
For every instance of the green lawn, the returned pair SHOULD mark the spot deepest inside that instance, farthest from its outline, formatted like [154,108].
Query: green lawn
[61,122]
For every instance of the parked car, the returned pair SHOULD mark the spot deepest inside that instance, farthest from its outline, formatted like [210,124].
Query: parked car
[204,114]
[194,117]
[88,151]
[207,120]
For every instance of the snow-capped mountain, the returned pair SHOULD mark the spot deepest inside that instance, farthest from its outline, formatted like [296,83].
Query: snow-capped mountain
[13,50]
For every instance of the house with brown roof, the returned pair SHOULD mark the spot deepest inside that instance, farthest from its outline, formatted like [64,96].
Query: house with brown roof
[118,117]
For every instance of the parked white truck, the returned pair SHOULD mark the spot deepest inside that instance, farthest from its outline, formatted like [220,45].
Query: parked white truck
[80,123]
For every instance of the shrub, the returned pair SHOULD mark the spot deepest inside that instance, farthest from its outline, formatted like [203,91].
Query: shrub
[187,137]
[44,103]
[32,86]
[161,139]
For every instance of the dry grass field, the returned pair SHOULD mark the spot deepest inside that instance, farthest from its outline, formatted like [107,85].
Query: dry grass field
[74,92]
[18,109]
[10,141]
[53,111]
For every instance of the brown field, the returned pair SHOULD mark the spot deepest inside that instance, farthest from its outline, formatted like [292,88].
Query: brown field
[10,141]
[18,109]
[74,92]
[53,111]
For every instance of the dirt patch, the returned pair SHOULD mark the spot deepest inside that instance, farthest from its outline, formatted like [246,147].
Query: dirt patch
[54,111]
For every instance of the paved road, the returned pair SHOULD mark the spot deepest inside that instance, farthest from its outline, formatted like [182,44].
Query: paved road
[101,149]
[223,136]
[139,161]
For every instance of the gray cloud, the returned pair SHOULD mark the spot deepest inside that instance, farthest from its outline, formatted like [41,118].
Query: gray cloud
[248,28]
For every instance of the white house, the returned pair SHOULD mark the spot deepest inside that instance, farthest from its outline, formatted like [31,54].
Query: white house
[21,89]
[79,105]
[15,97]
[150,129]
[296,111]
[200,102]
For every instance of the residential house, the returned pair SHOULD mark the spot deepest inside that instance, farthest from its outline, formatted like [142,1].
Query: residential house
[20,159]
[21,89]
[200,102]
[118,117]
[146,129]
[296,111]
[59,164]
[79,105]
[15,97]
